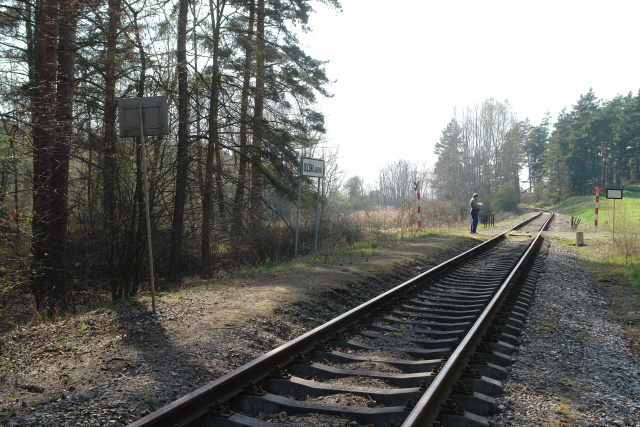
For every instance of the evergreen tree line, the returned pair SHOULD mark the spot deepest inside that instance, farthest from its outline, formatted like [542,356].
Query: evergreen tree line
[486,150]
[222,186]
[596,143]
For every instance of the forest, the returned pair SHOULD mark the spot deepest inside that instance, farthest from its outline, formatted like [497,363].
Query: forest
[486,149]
[223,184]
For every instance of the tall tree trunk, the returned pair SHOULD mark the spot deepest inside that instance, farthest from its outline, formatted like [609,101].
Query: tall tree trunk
[64,118]
[114,9]
[198,106]
[134,239]
[54,71]
[182,165]
[219,168]
[217,144]
[258,119]
[238,201]
[90,147]
[43,138]
[206,266]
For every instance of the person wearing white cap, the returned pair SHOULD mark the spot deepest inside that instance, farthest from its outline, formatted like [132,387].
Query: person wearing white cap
[475,208]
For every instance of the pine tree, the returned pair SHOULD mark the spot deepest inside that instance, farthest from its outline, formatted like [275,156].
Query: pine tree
[449,170]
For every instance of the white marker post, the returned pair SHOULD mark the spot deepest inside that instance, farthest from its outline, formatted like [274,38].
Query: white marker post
[597,191]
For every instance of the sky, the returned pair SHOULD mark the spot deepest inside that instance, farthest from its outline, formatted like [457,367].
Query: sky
[401,68]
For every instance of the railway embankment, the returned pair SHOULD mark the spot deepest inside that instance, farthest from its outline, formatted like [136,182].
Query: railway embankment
[577,362]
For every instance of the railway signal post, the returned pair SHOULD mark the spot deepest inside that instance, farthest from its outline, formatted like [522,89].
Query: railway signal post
[597,191]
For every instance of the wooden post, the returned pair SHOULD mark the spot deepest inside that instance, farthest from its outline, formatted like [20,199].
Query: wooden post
[579,238]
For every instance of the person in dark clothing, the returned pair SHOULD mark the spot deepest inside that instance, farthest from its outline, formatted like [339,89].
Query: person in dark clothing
[475,209]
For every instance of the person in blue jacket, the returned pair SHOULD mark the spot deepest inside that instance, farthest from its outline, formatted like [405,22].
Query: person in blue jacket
[475,208]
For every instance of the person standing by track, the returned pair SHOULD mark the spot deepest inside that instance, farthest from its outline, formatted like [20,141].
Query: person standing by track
[475,209]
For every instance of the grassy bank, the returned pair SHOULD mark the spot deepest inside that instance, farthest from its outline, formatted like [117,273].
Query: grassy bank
[618,258]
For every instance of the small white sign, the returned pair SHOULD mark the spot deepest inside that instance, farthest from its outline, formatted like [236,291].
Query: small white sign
[614,193]
[312,167]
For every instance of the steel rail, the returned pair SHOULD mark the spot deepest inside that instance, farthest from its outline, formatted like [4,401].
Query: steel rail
[197,403]
[428,407]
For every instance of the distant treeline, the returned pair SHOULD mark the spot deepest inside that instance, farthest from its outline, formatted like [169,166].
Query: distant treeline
[597,143]
[486,150]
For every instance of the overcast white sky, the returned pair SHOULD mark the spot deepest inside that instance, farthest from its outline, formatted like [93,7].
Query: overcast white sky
[402,66]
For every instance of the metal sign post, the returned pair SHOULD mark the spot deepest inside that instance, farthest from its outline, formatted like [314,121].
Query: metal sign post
[614,193]
[309,167]
[140,117]
[315,240]
[295,246]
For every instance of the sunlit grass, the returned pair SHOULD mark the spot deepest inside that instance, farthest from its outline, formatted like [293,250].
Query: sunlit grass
[613,214]
[423,232]
[617,257]
[617,260]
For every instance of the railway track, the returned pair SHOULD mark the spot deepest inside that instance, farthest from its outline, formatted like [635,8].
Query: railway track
[431,351]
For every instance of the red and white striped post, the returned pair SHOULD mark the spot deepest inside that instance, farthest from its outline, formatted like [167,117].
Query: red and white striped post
[417,190]
[597,191]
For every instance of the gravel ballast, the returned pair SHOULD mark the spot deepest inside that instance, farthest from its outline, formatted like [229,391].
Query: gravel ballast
[574,366]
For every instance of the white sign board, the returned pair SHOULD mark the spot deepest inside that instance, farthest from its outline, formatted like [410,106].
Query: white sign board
[312,167]
[614,193]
